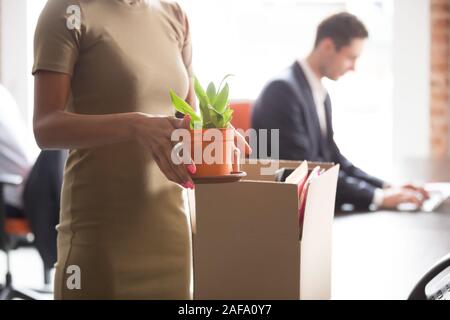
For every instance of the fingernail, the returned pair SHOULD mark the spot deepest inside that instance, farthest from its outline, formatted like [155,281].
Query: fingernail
[191,168]
[190,185]
[188,117]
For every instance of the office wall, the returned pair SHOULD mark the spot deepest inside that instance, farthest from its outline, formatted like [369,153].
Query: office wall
[411,79]
[439,77]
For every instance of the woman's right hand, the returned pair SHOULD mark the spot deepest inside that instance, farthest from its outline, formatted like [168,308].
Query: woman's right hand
[154,132]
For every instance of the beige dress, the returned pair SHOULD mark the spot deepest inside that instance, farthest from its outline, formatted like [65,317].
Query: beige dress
[122,222]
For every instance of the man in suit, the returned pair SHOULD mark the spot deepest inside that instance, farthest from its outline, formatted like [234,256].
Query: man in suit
[299,106]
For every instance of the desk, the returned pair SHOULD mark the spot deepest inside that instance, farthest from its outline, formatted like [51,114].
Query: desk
[381,255]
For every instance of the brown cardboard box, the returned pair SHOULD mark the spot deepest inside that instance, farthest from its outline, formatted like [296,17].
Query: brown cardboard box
[246,237]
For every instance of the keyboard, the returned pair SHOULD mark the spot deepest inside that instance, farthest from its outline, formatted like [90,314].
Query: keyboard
[439,193]
[434,202]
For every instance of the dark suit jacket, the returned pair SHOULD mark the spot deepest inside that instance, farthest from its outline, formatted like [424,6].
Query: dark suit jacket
[287,104]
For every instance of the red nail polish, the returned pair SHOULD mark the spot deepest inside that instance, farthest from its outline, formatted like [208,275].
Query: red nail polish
[191,168]
[188,185]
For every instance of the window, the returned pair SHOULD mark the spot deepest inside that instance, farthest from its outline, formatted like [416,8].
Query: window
[18,21]
[256,39]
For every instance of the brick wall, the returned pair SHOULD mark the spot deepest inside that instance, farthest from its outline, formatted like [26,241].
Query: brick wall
[439,78]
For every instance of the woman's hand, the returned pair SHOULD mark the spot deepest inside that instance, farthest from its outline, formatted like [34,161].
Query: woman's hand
[241,143]
[155,133]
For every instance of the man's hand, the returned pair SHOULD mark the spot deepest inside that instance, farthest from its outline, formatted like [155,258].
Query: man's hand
[417,188]
[393,196]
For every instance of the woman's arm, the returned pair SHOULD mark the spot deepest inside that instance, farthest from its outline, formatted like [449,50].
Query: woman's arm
[55,128]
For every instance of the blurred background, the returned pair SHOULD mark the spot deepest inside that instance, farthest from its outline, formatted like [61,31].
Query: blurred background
[397,99]
[395,107]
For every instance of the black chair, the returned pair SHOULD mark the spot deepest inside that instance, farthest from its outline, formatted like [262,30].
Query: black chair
[438,273]
[7,243]
[41,198]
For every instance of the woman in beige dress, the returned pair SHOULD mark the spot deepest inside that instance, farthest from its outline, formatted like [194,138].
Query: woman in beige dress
[103,70]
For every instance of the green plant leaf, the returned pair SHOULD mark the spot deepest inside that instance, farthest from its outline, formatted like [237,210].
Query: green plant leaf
[200,92]
[222,99]
[183,107]
[196,125]
[211,92]
[214,104]
[218,119]
[205,113]
[227,116]
[209,126]
[224,78]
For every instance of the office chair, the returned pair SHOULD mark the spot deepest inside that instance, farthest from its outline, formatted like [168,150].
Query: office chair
[440,275]
[41,199]
[8,291]
[242,114]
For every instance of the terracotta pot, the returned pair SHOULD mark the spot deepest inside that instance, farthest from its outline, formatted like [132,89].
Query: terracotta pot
[213,152]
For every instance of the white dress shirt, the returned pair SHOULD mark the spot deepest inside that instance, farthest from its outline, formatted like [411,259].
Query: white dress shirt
[319,94]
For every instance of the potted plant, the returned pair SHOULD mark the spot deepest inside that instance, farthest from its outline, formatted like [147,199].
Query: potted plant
[211,136]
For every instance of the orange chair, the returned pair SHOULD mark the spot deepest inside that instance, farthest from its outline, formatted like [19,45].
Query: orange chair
[17,227]
[242,114]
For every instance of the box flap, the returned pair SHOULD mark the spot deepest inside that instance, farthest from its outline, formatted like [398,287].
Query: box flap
[317,236]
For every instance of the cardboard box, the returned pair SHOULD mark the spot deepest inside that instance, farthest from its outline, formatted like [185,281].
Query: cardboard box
[246,237]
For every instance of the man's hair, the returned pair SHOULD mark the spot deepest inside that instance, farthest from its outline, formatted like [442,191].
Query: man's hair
[341,28]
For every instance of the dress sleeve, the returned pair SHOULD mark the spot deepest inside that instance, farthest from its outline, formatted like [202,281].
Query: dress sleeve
[58,36]
[186,48]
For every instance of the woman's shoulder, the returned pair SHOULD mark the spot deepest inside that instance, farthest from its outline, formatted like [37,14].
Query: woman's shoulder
[174,9]
[64,7]
[64,3]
